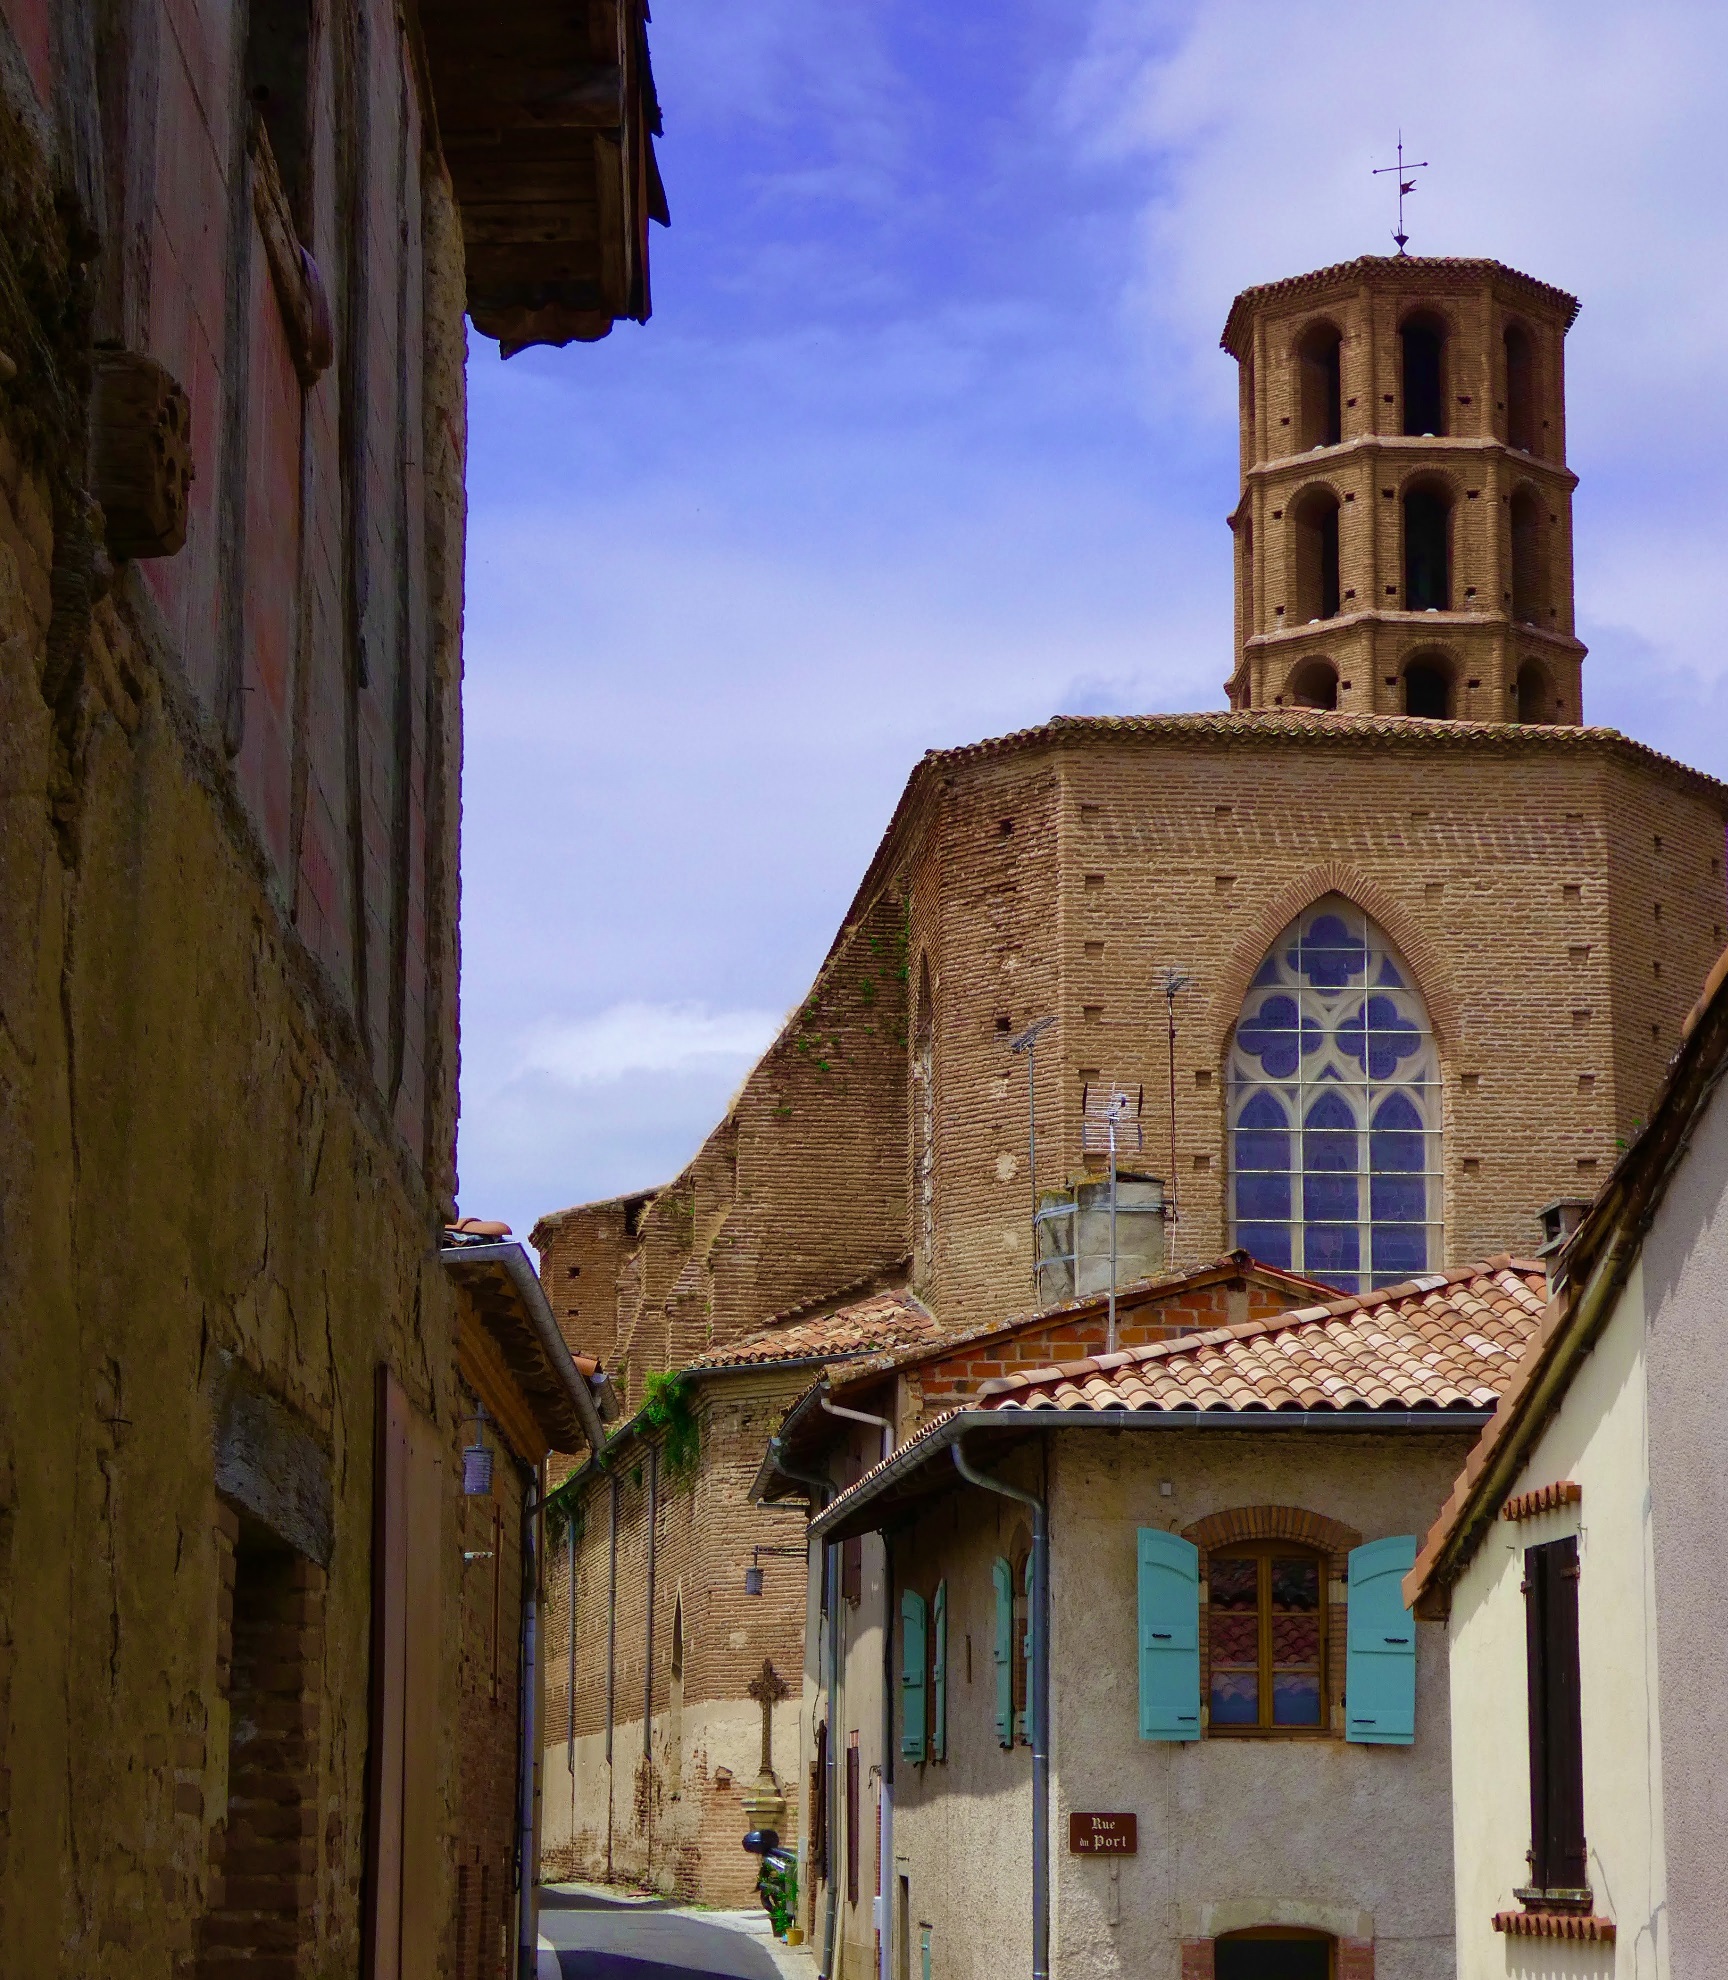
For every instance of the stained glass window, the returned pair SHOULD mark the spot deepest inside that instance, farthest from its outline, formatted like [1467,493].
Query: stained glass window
[1265,1637]
[1334,1094]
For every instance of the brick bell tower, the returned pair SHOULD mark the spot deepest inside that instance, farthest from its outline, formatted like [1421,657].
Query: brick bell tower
[1404,535]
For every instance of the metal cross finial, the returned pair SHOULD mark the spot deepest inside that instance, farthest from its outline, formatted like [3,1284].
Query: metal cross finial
[1406,185]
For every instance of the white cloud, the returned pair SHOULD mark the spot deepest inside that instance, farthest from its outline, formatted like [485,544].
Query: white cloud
[633,1038]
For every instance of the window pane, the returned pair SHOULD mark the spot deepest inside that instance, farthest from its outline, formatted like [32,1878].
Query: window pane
[1235,1697]
[1295,1698]
[1236,1638]
[1233,1583]
[1295,1585]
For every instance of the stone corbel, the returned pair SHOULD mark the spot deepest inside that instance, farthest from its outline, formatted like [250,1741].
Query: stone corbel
[141,454]
[300,291]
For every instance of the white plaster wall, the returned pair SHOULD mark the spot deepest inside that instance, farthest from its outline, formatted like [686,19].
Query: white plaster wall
[859,1710]
[963,1838]
[1685,1288]
[1597,1438]
[1355,1840]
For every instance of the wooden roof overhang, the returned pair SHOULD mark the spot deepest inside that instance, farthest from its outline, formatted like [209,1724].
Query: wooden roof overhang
[547,118]
[515,1359]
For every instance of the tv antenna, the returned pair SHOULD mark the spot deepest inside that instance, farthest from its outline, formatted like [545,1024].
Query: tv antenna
[1110,1120]
[1027,1042]
[1406,185]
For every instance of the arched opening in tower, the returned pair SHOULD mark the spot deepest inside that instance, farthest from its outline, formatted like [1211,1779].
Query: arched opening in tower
[1427,549]
[1314,519]
[1314,684]
[1520,388]
[1423,344]
[1535,693]
[1428,688]
[1320,385]
[1527,602]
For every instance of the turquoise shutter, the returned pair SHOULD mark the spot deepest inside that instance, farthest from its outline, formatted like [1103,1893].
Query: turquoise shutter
[911,1676]
[939,1674]
[1003,1576]
[1380,1672]
[1025,1727]
[1169,1636]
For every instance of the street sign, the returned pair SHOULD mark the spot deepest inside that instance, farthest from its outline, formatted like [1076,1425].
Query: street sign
[1103,1835]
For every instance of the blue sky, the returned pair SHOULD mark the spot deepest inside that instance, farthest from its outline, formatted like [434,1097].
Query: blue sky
[929,438]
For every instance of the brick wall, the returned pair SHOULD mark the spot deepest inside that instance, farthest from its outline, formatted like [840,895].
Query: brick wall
[1374,634]
[673,1819]
[799,1191]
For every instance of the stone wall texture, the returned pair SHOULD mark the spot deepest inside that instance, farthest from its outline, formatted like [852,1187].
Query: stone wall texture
[227,972]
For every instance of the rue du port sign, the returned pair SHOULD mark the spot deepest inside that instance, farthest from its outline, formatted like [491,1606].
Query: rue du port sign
[1103,1835]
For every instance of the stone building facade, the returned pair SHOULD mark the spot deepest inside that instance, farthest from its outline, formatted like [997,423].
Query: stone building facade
[233,276]
[1421,879]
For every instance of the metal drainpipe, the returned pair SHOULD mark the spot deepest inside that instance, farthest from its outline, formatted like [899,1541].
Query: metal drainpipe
[886,1873]
[527,1937]
[883,1423]
[822,1490]
[885,1858]
[1040,1706]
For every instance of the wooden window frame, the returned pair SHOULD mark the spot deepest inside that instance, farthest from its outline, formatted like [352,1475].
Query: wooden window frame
[1265,1551]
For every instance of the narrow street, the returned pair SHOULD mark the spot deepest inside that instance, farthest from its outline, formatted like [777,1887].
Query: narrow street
[591,1933]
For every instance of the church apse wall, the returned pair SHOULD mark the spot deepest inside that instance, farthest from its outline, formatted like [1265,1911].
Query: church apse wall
[1514,872]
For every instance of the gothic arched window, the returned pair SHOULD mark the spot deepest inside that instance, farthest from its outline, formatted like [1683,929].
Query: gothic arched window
[1335,1108]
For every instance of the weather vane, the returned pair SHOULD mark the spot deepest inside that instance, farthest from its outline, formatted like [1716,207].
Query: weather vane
[1406,186]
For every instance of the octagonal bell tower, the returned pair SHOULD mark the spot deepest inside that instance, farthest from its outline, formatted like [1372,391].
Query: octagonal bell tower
[1404,534]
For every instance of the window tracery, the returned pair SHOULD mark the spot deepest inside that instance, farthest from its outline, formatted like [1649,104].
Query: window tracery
[1334,1107]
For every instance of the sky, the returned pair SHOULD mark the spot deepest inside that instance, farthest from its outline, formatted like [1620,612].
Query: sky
[929,438]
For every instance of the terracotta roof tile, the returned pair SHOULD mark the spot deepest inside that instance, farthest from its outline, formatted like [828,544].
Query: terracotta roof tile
[868,1326]
[1449,1340]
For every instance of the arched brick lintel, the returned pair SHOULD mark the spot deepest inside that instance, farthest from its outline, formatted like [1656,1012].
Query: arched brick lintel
[1309,1529]
[1333,876]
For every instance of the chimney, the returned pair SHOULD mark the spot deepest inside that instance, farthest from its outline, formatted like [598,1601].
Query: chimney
[1559,1220]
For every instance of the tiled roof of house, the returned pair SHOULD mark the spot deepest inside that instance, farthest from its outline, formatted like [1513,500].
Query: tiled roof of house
[884,1320]
[1130,1296]
[1446,1341]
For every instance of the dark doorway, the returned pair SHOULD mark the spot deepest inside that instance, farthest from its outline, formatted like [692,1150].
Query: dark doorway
[1424,352]
[1427,690]
[1315,685]
[1250,1956]
[1322,408]
[1527,557]
[1427,551]
[1535,697]
[1315,521]
[1520,389]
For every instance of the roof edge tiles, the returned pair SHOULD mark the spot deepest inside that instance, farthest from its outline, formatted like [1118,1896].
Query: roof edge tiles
[1004,1392]
[1402,271]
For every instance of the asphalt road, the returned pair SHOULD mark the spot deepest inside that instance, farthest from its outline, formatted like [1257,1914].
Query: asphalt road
[599,1939]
